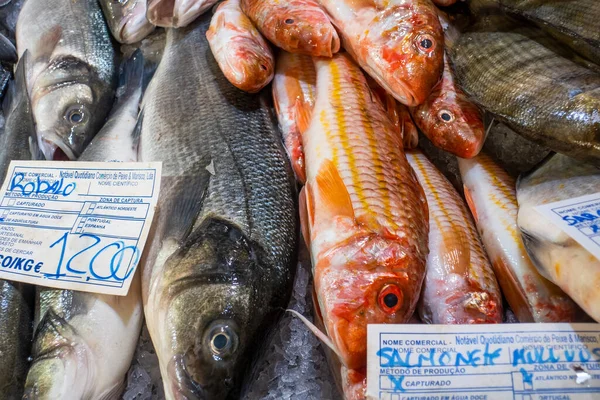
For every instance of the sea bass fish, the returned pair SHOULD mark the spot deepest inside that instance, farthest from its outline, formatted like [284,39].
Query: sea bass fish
[363,212]
[294,90]
[71,75]
[399,43]
[241,52]
[574,22]
[220,264]
[491,196]
[487,65]
[460,286]
[84,342]
[127,19]
[176,13]
[557,256]
[16,315]
[296,26]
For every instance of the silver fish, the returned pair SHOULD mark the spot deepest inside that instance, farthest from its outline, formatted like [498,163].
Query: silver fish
[219,267]
[556,255]
[84,342]
[71,74]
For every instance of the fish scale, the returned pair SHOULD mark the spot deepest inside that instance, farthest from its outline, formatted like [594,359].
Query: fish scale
[221,256]
[544,97]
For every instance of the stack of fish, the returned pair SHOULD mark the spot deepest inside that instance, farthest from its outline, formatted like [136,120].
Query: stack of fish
[352,85]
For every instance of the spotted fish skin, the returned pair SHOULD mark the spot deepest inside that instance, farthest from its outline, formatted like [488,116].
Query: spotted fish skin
[460,286]
[363,212]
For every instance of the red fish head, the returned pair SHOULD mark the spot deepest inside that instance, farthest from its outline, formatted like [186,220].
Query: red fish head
[380,285]
[452,123]
[409,45]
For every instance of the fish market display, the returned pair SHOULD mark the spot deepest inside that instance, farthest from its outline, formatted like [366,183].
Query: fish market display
[294,90]
[543,96]
[127,19]
[574,22]
[365,215]
[176,13]
[460,286]
[16,315]
[241,52]
[296,26]
[219,266]
[71,73]
[399,43]
[18,140]
[556,255]
[84,342]
[491,196]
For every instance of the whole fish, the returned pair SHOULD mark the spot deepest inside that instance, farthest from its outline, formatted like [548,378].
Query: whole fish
[543,96]
[574,22]
[296,26]
[460,286]
[71,74]
[557,256]
[294,89]
[220,265]
[18,140]
[16,315]
[449,119]
[363,212]
[399,43]
[84,342]
[240,50]
[398,113]
[127,19]
[490,193]
[176,13]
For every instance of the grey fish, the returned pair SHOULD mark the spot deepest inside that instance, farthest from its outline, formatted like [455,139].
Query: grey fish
[16,314]
[573,22]
[546,98]
[84,342]
[220,265]
[71,75]
[127,19]
[17,141]
[555,254]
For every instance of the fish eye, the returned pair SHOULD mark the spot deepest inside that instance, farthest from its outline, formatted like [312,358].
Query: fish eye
[222,341]
[75,115]
[289,21]
[446,116]
[390,299]
[425,43]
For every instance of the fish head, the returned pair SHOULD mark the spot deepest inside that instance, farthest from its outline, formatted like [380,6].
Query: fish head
[452,123]
[213,313]
[127,19]
[69,104]
[405,50]
[378,287]
[306,29]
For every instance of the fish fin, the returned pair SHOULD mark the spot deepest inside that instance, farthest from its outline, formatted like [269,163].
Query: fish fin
[318,333]
[302,116]
[14,88]
[456,251]
[131,76]
[137,133]
[310,203]
[114,393]
[317,309]
[471,203]
[8,52]
[304,223]
[332,191]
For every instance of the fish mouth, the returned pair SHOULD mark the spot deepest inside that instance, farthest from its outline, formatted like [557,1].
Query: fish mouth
[403,92]
[136,27]
[55,150]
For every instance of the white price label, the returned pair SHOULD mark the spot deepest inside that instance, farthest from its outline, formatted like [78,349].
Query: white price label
[76,225]
[579,218]
[484,362]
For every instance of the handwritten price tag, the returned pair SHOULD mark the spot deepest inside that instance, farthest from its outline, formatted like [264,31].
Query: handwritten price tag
[579,218]
[76,225]
[483,362]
